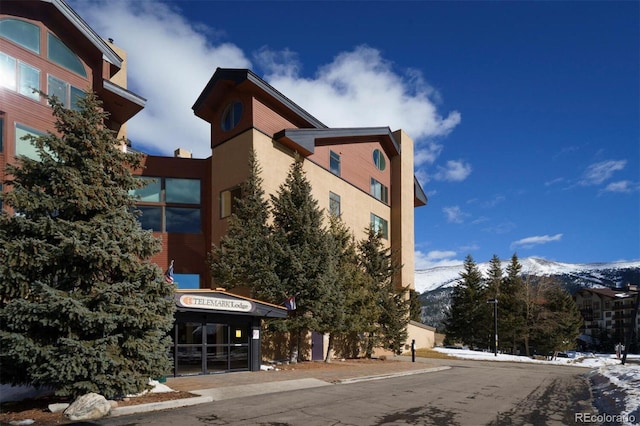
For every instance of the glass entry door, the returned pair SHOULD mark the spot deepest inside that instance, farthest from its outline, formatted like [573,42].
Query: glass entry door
[205,348]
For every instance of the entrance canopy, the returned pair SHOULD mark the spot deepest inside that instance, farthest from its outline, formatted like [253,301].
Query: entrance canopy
[221,302]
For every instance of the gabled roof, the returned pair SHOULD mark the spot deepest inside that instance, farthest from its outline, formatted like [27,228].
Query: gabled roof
[237,77]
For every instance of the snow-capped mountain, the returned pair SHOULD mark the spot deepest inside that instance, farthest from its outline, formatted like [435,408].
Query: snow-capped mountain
[596,274]
[436,284]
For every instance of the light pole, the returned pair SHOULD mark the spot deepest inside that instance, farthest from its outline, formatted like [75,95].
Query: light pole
[494,302]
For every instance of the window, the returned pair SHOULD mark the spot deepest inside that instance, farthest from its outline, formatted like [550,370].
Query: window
[67,94]
[334,204]
[59,53]
[380,225]
[379,160]
[169,205]
[1,133]
[231,115]
[25,147]
[334,163]
[186,191]
[21,32]
[229,201]
[1,197]
[187,281]
[380,191]
[181,220]
[19,76]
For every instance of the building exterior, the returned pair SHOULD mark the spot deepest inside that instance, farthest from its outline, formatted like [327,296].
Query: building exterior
[45,45]
[363,174]
[609,314]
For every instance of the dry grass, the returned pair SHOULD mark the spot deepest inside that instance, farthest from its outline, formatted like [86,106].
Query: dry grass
[429,353]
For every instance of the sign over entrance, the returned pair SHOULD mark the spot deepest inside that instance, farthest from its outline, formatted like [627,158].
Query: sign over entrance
[215,303]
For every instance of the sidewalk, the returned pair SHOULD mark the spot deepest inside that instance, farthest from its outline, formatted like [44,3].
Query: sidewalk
[217,387]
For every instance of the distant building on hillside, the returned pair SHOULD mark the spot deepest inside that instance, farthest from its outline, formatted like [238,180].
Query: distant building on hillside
[608,315]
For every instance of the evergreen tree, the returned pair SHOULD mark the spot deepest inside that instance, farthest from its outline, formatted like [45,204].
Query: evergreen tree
[301,246]
[389,330]
[511,323]
[494,278]
[415,307]
[468,318]
[559,323]
[244,257]
[82,308]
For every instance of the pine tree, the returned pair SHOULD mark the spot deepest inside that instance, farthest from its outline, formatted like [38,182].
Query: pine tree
[389,330]
[494,278]
[415,307]
[558,325]
[244,257]
[468,318]
[511,324]
[82,308]
[301,246]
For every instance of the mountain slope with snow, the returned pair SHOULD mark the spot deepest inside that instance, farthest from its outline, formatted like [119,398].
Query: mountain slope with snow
[431,279]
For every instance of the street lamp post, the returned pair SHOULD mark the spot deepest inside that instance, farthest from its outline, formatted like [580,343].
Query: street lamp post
[494,302]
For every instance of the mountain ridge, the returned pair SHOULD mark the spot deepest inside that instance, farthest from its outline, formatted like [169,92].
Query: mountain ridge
[430,279]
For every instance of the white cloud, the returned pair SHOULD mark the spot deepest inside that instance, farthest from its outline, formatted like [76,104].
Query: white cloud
[530,242]
[597,173]
[454,171]
[435,258]
[622,186]
[454,214]
[170,60]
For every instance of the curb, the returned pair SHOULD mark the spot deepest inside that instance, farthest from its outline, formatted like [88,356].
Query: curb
[157,406]
[389,375]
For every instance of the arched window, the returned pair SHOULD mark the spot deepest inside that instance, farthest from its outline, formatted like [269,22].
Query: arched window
[231,115]
[21,32]
[59,53]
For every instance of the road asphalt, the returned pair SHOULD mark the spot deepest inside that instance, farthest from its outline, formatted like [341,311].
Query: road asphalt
[217,387]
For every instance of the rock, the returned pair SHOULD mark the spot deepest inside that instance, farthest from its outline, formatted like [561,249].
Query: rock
[60,406]
[88,407]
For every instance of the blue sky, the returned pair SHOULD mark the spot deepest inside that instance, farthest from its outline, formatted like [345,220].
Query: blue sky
[525,115]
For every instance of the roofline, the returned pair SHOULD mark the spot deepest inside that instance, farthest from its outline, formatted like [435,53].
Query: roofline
[124,93]
[107,53]
[307,137]
[419,192]
[238,75]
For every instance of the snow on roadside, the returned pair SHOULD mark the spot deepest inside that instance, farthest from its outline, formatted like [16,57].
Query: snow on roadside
[626,377]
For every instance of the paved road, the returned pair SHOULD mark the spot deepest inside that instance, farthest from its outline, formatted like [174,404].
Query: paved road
[470,393]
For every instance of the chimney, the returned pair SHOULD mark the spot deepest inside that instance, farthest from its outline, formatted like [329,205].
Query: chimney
[181,153]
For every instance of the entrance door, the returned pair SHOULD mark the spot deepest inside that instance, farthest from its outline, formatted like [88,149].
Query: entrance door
[317,346]
[205,348]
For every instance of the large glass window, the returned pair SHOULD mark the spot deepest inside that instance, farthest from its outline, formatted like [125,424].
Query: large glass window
[28,81]
[25,147]
[334,163]
[19,76]
[150,192]
[182,220]
[172,197]
[21,32]
[182,190]
[334,204]
[380,225]
[380,191]
[67,94]
[59,53]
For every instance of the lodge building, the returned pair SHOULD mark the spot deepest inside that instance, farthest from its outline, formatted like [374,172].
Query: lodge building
[363,174]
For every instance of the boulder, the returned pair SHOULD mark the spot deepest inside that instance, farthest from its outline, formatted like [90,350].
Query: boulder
[88,407]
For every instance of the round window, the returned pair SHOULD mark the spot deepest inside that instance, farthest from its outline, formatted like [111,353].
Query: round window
[231,115]
[379,160]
